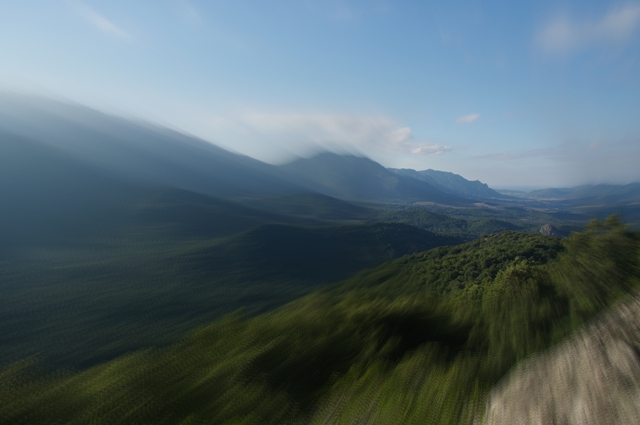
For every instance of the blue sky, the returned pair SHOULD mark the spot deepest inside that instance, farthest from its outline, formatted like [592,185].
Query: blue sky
[513,94]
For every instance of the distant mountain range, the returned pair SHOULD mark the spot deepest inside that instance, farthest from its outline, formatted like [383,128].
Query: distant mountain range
[361,179]
[148,232]
[591,194]
[451,183]
[56,151]
[141,154]
[136,152]
[118,236]
[64,166]
[596,201]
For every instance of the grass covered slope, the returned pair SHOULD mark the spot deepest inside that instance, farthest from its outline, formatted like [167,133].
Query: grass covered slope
[359,352]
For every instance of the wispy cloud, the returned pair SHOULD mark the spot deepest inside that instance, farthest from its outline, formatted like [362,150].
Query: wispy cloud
[466,119]
[336,130]
[562,34]
[100,22]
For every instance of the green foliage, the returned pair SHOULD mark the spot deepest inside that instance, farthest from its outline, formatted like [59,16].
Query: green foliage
[470,223]
[520,307]
[483,219]
[468,228]
[600,265]
[380,348]
[424,219]
[453,268]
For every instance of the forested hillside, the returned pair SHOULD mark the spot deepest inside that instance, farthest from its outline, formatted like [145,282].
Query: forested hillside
[421,339]
[150,277]
[339,212]
[98,298]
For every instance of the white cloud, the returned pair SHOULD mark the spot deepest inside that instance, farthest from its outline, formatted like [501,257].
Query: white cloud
[561,34]
[100,22]
[341,131]
[466,119]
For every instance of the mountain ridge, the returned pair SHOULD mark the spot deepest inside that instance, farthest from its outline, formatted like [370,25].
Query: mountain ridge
[140,153]
[359,178]
[451,183]
[604,193]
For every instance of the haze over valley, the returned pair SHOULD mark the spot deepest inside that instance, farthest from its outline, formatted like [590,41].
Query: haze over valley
[319,213]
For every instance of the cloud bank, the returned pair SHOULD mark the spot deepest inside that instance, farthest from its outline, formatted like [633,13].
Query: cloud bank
[341,131]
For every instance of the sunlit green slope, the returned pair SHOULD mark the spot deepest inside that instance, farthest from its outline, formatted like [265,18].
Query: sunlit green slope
[402,343]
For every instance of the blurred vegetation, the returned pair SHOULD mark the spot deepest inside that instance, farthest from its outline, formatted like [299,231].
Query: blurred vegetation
[470,223]
[420,339]
[162,262]
[93,301]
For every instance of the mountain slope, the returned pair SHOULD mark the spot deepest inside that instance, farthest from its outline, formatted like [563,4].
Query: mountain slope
[189,215]
[110,240]
[357,178]
[138,152]
[592,378]
[49,195]
[315,254]
[451,183]
[330,357]
[374,349]
[154,279]
[312,205]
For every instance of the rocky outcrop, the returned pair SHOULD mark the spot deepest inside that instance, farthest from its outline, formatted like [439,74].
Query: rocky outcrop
[592,378]
[549,230]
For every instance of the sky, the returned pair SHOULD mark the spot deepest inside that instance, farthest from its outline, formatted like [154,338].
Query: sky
[515,94]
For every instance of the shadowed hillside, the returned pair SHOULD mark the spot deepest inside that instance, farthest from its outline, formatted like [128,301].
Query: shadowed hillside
[451,183]
[50,197]
[138,152]
[312,205]
[149,284]
[357,178]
